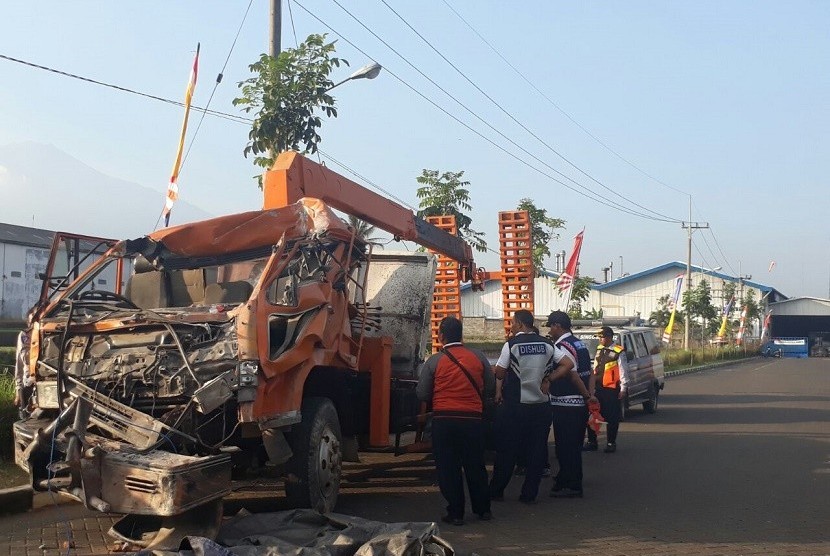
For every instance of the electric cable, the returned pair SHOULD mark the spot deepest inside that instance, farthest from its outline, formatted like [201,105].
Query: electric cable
[293,28]
[367,180]
[123,89]
[475,115]
[247,121]
[555,105]
[602,201]
[507,113]
[717,244]
[215,85]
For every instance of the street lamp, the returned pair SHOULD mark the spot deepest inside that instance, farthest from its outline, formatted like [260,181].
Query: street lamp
[369,71]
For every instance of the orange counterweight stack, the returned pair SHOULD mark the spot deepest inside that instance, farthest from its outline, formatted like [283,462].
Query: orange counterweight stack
[517,271]
[446,298]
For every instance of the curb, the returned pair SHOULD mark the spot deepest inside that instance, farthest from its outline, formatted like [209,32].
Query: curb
[708,366]
[16,499]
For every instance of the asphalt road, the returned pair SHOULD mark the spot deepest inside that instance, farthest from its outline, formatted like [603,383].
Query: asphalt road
[736,461]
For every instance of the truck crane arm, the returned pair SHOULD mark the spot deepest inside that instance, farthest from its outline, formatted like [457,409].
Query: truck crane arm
[294,176]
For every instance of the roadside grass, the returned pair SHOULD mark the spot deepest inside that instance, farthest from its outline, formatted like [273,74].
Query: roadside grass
[10,474]
[7,358]
[8,415]
[681,359]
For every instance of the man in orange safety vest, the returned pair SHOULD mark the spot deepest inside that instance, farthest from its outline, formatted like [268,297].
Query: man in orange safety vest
[608,383]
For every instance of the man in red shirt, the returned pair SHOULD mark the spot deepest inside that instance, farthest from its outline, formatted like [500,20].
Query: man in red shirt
[456,380]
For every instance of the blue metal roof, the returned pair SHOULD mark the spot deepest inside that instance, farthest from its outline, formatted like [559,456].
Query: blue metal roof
[677,265]
[681,268]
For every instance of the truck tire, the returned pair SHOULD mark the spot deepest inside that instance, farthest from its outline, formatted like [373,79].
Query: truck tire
[650,405]
[316,466]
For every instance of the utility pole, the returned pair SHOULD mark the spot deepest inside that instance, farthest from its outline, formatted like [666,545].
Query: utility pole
[690,226]
[275,43]
[741,279]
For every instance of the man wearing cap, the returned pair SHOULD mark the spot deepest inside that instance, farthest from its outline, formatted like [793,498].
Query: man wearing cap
[567,386]
[608,383]
[523,419]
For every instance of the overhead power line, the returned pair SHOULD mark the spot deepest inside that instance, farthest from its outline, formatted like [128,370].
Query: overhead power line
[123,89]
[224,115]
[218,81]
[508,113]
[293,28]
[717,244]
[555,105]
[588,195]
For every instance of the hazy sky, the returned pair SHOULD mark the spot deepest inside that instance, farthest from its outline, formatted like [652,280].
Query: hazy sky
[723,101]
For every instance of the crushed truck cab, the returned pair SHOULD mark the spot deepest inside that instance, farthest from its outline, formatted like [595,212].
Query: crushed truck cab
[273,336]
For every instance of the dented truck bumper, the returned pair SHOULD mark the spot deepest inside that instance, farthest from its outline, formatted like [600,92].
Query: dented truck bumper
[61,455]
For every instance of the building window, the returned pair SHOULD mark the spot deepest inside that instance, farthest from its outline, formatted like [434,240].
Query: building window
[16,274]
[102,282]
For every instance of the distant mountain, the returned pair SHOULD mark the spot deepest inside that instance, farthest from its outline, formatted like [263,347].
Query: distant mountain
[63,193]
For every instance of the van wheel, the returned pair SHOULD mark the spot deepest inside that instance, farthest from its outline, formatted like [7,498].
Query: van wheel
[650,406]
[316,466]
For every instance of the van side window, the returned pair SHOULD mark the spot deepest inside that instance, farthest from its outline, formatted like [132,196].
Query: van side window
[640,345]
[628,345]
[652,343]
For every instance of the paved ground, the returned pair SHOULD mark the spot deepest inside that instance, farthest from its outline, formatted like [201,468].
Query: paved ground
[736,461]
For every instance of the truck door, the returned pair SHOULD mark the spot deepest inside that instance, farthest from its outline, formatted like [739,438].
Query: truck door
[72,254]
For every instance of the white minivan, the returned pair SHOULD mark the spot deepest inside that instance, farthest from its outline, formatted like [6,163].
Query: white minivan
[646,377]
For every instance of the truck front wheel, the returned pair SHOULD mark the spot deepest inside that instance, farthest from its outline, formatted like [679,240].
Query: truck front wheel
[316,465]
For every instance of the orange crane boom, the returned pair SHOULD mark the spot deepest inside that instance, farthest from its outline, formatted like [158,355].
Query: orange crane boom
[294,176]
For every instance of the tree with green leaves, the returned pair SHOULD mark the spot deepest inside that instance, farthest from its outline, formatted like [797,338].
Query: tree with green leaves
[288,95]
[698,303]
[661,316]
[729,291]
[543,230]
[447,195]
[581,291]
[753,310]
[362,228]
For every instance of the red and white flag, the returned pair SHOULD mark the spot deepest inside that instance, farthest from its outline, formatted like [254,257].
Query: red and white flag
[742,328]
[565,282]
[767,320]
[173,187]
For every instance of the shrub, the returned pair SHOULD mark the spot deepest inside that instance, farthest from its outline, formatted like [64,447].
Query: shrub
[679,358]
[8,415]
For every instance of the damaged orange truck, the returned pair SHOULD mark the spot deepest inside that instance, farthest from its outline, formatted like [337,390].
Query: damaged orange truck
[274,335]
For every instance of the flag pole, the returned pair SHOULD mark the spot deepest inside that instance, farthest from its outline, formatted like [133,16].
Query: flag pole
[172,194]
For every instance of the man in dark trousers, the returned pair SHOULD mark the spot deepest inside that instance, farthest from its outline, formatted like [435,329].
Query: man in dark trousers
[568,388]
[457,380]
[523,418]
[608,383]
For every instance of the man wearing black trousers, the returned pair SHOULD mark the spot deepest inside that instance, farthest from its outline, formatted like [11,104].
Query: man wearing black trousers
[457,380]
[608,383]
[523,419]
[568,388]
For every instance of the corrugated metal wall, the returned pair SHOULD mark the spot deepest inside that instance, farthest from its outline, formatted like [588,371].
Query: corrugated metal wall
[637,296]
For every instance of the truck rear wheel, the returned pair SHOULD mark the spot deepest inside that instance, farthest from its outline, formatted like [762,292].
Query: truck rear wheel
[316,465]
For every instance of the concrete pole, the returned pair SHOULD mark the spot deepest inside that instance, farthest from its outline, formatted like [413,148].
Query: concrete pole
[688,277]
[275,43]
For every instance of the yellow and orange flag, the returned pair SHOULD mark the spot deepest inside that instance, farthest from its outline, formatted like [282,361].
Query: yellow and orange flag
[173,187]
[674,300]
